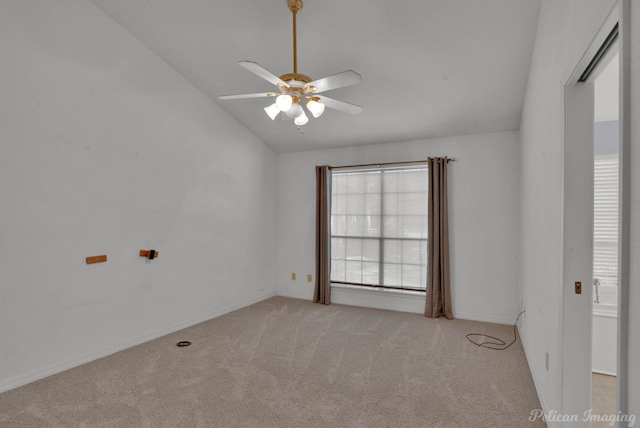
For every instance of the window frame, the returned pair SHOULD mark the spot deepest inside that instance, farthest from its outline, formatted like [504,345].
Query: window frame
[381,238]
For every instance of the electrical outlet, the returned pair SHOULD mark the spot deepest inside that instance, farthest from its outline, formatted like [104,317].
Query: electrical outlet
[293,276]
[578,286]
[309,278]
[546,360]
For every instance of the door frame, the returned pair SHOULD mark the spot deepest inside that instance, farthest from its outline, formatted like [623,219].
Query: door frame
[577,219]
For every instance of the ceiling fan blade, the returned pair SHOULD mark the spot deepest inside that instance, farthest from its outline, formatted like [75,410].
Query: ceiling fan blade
[242,96]
[340,105]
[256,68]
[340,80]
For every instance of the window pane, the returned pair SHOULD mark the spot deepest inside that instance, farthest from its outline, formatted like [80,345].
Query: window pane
[411,252]
[372,226]
[355,183]
[414,181]
[338,225]
[391,251]
[411,276]
[414,204]
[338,248]
[385,208]
[390,181]
[339,204]
[338,268]
[390,204]
[354,249]
[371,250]
[412,226]
[390,226]
[372,203]
[605,219]
[355,225]
[354,272]
[371,273]
[355,204]
[338,183]
[392,275]
[338,254]
[372,182]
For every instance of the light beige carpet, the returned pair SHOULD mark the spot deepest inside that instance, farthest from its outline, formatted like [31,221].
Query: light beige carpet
[291,363]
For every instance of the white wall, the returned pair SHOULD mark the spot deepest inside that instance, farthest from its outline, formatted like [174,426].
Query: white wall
[605,340]
[105,149]
[483,186]
[561,31]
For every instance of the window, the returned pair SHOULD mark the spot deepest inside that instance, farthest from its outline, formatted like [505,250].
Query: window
[605,219]
[379,227]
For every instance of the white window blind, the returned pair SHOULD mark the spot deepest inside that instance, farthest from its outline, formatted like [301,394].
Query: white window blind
[379,227]
[605,226]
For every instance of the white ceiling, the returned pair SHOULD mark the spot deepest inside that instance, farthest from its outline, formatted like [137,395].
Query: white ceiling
[430,68]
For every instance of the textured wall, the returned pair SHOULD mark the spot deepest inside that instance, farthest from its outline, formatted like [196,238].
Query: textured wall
[483,209]
[105,149]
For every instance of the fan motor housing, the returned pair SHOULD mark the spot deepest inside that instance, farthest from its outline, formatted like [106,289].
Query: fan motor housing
[295,76]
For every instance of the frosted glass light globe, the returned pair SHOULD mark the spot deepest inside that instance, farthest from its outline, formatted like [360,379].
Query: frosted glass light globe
[294,111]
[272,111]
[316,108]
[301,120]
[284,102]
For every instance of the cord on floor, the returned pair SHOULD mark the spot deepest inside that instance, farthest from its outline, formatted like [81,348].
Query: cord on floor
[500,345]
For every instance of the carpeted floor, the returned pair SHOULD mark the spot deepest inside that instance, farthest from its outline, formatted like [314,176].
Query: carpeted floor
[291,363]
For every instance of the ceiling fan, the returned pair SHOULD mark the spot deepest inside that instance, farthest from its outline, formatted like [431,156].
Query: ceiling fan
[297,89]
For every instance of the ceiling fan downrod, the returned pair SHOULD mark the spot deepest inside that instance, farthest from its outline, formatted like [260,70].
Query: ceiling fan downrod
[295,6]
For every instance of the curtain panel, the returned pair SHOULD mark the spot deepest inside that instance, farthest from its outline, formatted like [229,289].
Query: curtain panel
[438,278]
[322,291]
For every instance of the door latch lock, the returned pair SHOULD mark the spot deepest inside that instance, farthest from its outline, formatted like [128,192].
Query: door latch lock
[578,286]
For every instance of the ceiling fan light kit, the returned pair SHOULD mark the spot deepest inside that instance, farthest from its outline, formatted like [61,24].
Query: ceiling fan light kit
[284,102]
[315,107]
[272,111]
[298,89]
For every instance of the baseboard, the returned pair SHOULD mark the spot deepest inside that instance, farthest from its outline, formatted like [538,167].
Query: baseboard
[602,372]
[484,318]
[60,367]
[394,301]
[302,294]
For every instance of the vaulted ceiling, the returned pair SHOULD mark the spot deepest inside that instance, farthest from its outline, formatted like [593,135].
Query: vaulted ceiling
[430,68]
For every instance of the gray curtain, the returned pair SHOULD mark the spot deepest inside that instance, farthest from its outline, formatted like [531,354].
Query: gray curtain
[438,280]
[322,292]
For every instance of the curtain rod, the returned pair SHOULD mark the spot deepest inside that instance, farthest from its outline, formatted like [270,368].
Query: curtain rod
[385,163]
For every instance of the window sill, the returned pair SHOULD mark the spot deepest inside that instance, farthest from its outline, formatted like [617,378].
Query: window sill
[379,298]
[379,289]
